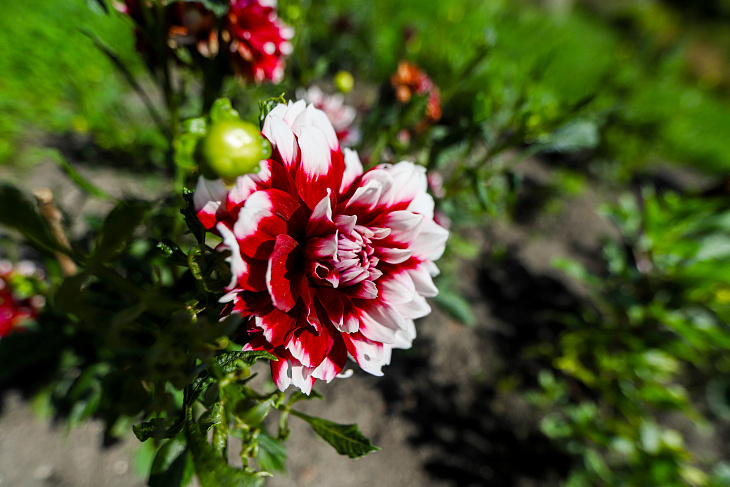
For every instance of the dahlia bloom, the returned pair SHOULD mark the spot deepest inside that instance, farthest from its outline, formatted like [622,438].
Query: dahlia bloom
[340,115]
[327,260]
[188,24]
[191,24]
[14,309]
[255,38]
[258,40]
[410,80]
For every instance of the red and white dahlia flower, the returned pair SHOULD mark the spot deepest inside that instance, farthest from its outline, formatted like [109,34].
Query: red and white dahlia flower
[327,260]
[258,39]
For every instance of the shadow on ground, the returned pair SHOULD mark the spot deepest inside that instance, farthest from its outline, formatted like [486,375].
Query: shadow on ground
[493,437]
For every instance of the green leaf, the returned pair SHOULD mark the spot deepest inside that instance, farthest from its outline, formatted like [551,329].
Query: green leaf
[211,468]
[173,465]
[266,106]
[33,350]
[272,454]
[191,217]
[573,136]
[575,270]
[345,438]
[80,181]
[157,428]
[172,252]
[196,126]
[211,417]
[223,110]
[231,361]
[300,396]
[184,150]
[455,305]
[20,212]
[118,229]
[228,362]
[98,6]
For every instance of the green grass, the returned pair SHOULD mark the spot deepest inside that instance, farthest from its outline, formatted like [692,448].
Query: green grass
[55,80]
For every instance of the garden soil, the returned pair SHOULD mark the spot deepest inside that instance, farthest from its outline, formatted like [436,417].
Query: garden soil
[446,413]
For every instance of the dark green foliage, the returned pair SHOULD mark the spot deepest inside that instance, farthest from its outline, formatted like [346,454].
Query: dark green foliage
[345,438]
[19,212]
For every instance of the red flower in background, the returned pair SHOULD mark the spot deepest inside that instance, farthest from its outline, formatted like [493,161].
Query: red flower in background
[410,80]
[15,310]
[191,24]
[327,261]
[258,40]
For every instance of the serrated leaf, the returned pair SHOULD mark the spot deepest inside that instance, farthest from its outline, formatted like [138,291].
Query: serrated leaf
[20,212]
[211,468]
[345,438]
[118,229]
[173,465]
[455,305]
[228,361]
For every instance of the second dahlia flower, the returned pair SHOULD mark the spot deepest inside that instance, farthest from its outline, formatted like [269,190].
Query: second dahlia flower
[258,39]
[328,261]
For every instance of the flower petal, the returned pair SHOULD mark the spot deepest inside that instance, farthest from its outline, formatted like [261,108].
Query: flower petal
[353,169]
[367,353]
[283,276]
[263,216]
[207,199]
[421,278]
[379,322]
[315,168]
[431,241]
[245,274]
[312,116]
[282,139]
[308,346]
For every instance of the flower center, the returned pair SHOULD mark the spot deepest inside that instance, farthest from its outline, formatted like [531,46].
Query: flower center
[345,258]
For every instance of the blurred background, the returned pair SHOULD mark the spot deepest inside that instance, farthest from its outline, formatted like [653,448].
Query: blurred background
[581,336]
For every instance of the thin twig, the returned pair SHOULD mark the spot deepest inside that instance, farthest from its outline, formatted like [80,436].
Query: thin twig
[53,217]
